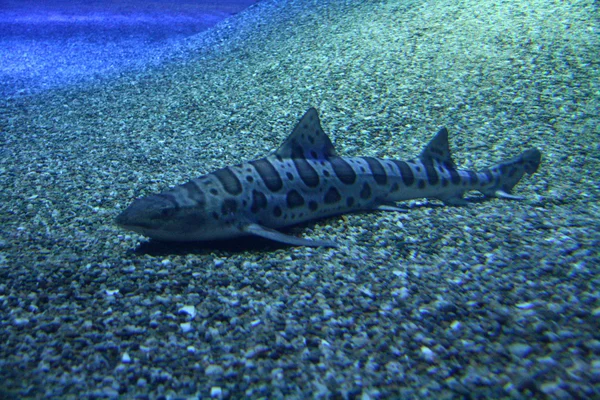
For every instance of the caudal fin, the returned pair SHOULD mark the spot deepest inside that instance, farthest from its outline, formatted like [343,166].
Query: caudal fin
[508,173]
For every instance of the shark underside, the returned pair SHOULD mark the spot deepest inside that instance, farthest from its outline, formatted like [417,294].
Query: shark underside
[306,180]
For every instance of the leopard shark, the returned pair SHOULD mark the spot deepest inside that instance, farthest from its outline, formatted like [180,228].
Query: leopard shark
[305,179]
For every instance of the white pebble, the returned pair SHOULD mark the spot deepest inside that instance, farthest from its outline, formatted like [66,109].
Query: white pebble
[189,310]
[214,370]
[428,354]
[526,306]
[186,327]
[21,321]
[520,350]
[125,359]
[112,292]
[218,262]
[216,392]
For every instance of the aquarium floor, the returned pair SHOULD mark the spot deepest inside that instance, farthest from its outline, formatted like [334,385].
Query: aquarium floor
[495,300]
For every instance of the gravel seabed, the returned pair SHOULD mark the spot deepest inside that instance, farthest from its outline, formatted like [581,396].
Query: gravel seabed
[495,300]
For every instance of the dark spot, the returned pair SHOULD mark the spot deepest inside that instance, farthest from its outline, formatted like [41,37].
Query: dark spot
[268,174]
[343,170]
[214,191]
[350,201]
[332,196]
[229,181]
[377,170]
[313,154]
[290,176]
[454,177]
[408,178]
[421,184]
[307,173]
[312,205]
[229,206]
[473,177]
[444,182]
[259,201]
[250,179]
[326,173]
[194,192]
[365,192]
[488,175]
[294,199]
[395,187]
[432,176]
[215,215]
[277,211]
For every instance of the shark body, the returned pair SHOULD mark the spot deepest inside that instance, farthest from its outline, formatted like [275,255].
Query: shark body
[304,180]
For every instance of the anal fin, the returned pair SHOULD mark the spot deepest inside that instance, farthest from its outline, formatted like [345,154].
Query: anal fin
[272,234]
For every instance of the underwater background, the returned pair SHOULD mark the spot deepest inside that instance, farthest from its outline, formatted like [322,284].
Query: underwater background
[103,102]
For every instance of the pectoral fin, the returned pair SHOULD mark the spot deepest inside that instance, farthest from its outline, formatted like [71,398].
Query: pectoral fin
[271,234]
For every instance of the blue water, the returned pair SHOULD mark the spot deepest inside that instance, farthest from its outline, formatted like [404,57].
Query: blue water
[52,44]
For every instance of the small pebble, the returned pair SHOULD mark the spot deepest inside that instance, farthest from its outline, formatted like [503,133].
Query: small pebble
[427,354]
[214,370]
[186,327]
[216,392]
[189,310]
[218,262]
[520,350]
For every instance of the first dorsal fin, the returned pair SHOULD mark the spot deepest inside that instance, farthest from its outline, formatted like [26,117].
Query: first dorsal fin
[308,140]
[438,150]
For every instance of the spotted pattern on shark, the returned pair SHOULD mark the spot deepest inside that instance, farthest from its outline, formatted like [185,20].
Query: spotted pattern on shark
[304,180]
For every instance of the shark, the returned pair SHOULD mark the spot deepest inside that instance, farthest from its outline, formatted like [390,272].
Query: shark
[305,179]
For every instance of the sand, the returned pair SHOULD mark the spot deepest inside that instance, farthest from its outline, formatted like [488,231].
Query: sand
[495,300]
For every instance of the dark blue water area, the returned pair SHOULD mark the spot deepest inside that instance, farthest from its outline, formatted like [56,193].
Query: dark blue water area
[54,43]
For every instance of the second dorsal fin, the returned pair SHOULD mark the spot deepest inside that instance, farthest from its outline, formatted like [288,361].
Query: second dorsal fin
[438,149]
[307,140]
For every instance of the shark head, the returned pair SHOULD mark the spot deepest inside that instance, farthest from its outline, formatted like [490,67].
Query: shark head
[166,217]
[155,216]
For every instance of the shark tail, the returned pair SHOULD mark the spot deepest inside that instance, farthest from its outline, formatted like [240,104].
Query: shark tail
[508,173]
